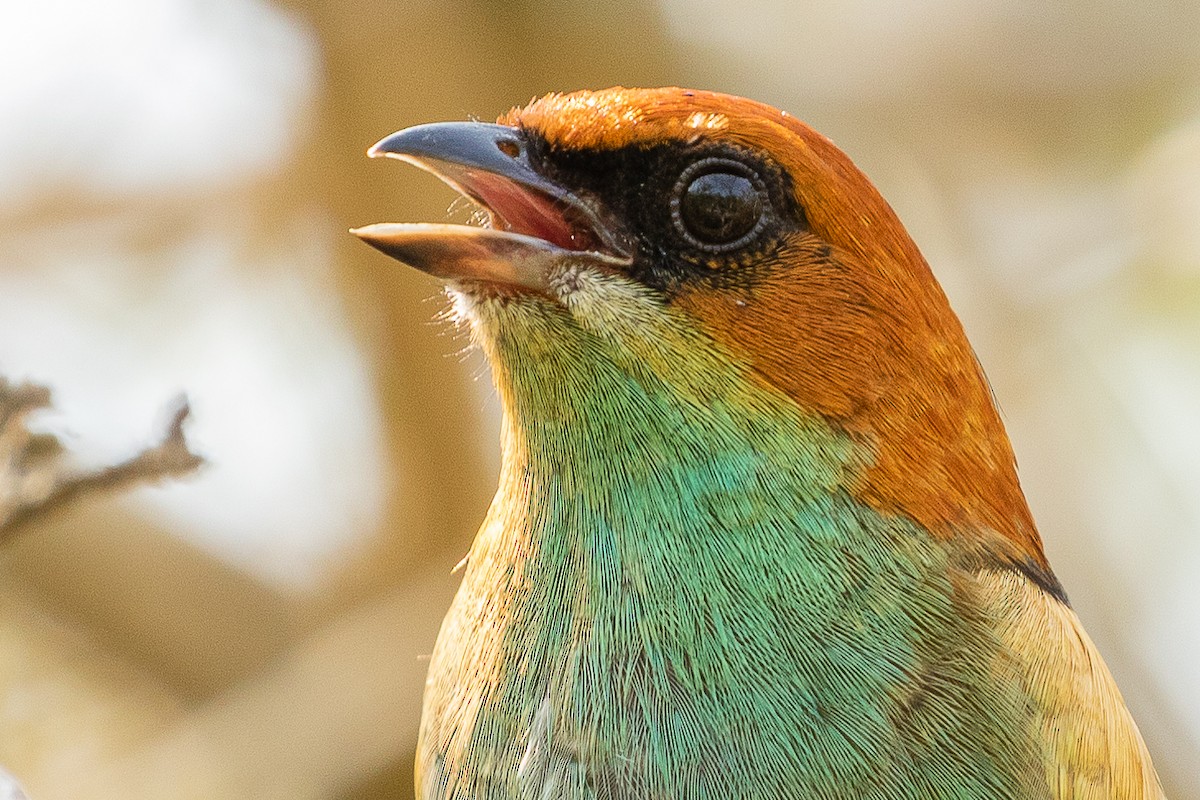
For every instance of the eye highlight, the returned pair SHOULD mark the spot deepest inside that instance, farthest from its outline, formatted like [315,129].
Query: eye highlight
[718,204]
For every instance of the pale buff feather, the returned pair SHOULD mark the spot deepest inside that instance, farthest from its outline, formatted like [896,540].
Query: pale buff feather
[1093,747]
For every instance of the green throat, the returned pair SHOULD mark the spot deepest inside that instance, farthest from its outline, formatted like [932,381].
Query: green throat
[673,589]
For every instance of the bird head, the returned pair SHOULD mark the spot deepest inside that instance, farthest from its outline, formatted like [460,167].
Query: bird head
[659,257]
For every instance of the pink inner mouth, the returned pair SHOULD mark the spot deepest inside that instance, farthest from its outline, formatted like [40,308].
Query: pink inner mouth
[523,210]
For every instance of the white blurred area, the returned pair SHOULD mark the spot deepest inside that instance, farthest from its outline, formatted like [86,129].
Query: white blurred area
[143,96]
[166,228]
[133,267]
[10,789]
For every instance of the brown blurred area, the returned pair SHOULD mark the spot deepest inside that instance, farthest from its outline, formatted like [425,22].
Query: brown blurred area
[136,662]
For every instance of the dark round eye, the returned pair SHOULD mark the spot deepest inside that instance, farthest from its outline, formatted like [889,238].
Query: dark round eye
[718,204]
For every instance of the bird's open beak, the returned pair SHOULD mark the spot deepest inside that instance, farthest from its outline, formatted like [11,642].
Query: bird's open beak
[535,225]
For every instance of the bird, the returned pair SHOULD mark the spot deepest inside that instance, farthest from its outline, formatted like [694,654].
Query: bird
[758,530]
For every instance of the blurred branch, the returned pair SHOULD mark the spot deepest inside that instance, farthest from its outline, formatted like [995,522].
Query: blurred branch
[35,479]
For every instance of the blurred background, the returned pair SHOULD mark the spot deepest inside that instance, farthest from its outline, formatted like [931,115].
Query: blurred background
[176,181]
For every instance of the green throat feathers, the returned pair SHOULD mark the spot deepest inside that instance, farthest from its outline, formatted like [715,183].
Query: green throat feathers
[673,589]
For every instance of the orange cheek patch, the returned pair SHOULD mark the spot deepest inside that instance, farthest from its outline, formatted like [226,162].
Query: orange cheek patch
[888,363]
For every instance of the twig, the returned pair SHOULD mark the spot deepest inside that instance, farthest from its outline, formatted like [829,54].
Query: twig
[33,479]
